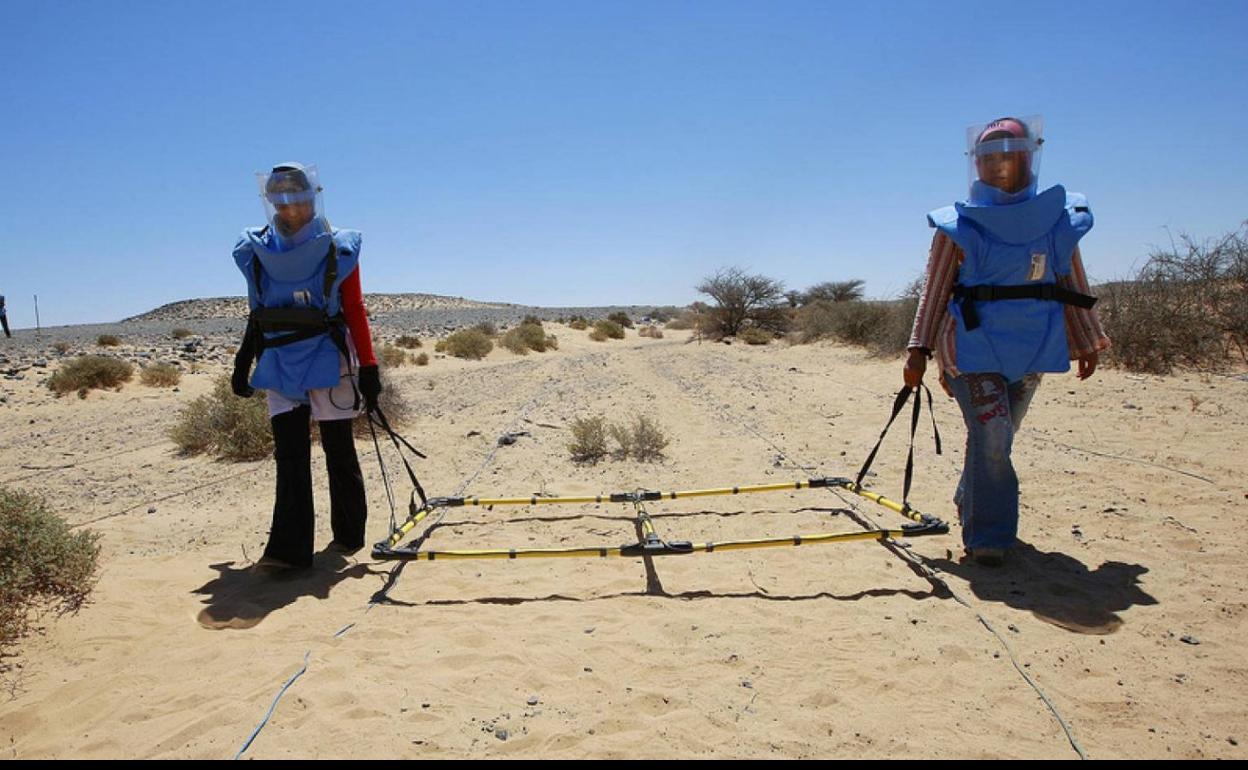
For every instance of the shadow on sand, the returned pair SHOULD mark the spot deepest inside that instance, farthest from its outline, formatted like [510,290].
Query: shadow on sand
[242,596]
[1057,588]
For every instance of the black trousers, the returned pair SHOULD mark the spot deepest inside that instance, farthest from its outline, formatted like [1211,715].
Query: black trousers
[4,319]
[294,523]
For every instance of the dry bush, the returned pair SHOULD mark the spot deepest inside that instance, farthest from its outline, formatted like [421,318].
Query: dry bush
[422,359]
[229,427]
[473,344]
[589,440]
[181,333]
[1187,307]
[621,318]
[61,346]
[685,320]
[526,337]
[649,440]
[90,372]
[753,336]
[653,332]
[409,342]
[108,340]
[487,328]
[160,375]
[578,323]
[44,565]
[607,330]
[623,441]
[391,356]
[881,327]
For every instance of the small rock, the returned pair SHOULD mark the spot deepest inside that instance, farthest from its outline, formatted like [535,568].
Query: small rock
[532,701]
[151,509]
[501,734]
[1189,639]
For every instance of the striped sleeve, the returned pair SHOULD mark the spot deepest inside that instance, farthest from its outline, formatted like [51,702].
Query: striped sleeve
[1084,333]
[943,262]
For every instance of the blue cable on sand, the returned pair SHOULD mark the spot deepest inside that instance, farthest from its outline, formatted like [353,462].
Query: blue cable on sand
[273,706]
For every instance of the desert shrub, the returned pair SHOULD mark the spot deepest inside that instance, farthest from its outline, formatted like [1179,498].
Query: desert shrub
[623,437]
[391,356]
[755,336]
[685,320]
[472,344]
[526,337]
[90,372]
[742,300]
[408,341]
[607,330]
[225,425]
[578,323]
[649,440]
[621,318]
[487,328]
[422,359]
[650,331]
[589,440]
[1186,307]
[44,565]
[181,333]
[531,319]
[107,341]
[892,335]
[160,375]
[61,346]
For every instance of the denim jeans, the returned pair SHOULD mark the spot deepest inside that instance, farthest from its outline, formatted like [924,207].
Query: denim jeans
[987,496]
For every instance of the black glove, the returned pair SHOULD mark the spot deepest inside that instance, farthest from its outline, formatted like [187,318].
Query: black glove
[370,386]
[242,364]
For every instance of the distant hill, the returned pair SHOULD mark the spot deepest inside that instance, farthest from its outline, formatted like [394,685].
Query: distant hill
[236,307]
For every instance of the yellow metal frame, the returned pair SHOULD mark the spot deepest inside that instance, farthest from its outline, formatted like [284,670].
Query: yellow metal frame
[652,545]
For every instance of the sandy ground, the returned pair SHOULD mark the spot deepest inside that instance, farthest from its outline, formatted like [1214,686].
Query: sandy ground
[1123,606]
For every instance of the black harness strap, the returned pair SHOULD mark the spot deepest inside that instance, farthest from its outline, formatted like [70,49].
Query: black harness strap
[377,417]
[969,295]
[903,396]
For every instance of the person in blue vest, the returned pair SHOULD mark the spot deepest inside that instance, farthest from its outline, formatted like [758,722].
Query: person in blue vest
[308,335]
[1006,300]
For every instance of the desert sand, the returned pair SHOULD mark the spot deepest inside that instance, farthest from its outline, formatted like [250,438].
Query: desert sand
[1124,606]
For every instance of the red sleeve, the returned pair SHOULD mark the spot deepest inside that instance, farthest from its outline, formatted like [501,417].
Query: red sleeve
[357,318]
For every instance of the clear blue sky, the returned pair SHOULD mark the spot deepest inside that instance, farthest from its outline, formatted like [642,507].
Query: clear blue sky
[588,152]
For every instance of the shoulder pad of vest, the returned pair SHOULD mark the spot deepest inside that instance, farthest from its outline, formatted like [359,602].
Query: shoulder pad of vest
[348,241]
[243,251]
[942,217]
[1079,211]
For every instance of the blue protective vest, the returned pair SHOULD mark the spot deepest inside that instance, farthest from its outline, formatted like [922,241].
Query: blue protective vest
[297,279]
[1025,243]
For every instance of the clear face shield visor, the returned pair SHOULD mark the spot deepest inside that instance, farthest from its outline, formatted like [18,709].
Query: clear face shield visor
[292,198]
[1010,164]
